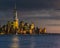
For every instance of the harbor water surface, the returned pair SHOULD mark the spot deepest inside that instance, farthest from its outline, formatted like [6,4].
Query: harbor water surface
[30,41]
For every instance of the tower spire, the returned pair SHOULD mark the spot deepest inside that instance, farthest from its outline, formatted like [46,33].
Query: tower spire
[15,11]
[15,17]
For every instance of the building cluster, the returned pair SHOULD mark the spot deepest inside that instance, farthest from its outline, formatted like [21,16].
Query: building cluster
[20,28]
[23,28]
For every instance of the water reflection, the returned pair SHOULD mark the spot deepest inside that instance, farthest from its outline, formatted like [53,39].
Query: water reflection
[30,41]
[27,42]
[15,42]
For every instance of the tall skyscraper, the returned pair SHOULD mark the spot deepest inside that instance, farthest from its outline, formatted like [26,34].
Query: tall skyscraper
[15,22]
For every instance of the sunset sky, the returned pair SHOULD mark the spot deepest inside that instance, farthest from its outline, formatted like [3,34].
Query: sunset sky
[44,13]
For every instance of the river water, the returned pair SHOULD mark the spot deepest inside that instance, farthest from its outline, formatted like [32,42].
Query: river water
[30,41]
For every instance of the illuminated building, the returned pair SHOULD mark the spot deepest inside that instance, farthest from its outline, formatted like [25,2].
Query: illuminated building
[15,22]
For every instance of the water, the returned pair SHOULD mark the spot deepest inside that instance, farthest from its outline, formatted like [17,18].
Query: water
[30,41]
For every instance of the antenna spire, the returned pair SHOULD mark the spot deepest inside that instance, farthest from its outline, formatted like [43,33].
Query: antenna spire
[15,11]
[15,5]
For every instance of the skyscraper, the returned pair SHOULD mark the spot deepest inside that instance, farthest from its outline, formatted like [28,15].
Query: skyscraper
[15,21]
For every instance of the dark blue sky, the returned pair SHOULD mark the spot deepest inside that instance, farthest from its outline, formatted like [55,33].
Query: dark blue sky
[30,4]
[30,8]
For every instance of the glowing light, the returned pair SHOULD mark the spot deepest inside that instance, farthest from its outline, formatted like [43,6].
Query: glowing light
[15,42]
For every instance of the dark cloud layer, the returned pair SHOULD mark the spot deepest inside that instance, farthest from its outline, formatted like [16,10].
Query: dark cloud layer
[30,4]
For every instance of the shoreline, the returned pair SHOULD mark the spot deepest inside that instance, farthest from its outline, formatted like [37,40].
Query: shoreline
[33,34]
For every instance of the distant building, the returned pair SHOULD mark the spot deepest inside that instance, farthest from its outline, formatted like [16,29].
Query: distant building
[15,21]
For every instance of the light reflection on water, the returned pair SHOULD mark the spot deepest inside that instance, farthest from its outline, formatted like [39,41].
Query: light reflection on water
[30,41]
[15,42]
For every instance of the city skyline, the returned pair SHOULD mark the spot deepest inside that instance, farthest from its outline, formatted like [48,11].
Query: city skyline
[46,12]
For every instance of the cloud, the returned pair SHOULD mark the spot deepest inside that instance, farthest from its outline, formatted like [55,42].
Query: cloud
[34,13]
[40,14]
[52,24]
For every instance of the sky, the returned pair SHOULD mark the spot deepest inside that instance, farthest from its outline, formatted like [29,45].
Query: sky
[45,12]
[30,4]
